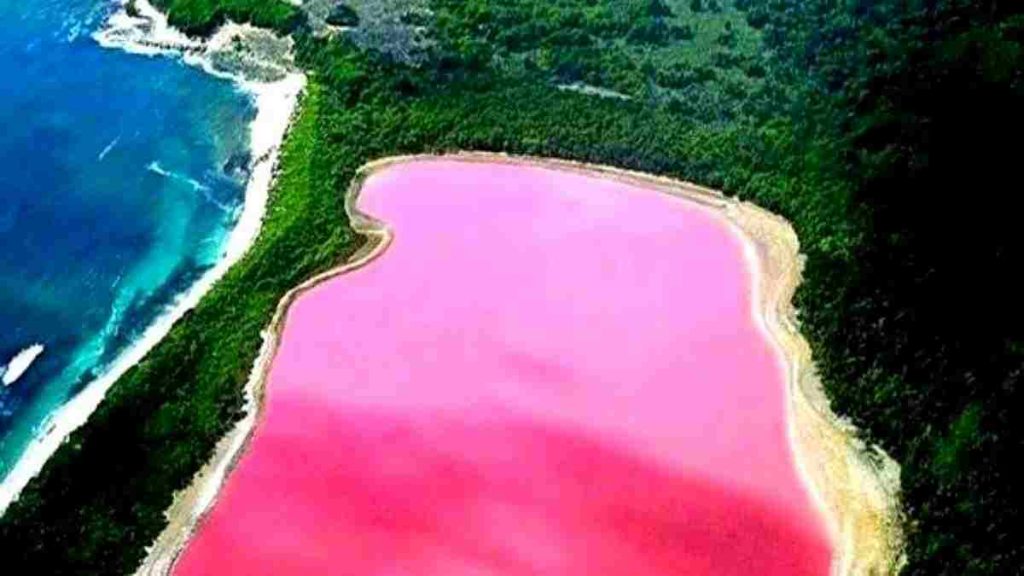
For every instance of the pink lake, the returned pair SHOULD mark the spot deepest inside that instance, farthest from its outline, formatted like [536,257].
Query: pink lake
[546,372]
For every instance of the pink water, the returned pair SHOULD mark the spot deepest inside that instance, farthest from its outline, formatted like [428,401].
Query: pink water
[545,373]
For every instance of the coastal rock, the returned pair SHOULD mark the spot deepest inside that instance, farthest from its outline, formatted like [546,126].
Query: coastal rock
[238,165]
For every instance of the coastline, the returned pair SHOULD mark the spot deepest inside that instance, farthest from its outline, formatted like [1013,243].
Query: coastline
[856,489]
[275,103]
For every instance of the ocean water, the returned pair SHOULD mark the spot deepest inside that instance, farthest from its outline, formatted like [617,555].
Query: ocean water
[119,183]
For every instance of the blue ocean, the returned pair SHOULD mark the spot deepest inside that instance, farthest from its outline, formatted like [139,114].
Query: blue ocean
[117,191]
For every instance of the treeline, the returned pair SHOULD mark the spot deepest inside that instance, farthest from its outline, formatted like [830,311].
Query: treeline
[203,17]
[884,133]
[924,346]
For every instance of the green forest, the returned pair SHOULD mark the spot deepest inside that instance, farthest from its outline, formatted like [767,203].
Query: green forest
[884,130]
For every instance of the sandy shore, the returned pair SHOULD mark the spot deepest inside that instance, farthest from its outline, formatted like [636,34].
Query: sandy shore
[274,103]
[856,487]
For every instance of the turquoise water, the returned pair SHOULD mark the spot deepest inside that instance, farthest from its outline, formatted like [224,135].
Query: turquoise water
[114,198]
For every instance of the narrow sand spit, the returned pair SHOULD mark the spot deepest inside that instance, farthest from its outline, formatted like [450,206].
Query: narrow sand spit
[856,489]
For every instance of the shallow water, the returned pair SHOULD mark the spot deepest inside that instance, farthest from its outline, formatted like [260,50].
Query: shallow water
[113,197]
[544,373]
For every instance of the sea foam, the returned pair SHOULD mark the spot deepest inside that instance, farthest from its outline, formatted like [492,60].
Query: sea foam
[196,185]
[108,148]
[20,364]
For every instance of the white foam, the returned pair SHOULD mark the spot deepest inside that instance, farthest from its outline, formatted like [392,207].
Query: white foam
[155,168]
[20,364]
[274,103]
[196,185]
[108,148]
[148,33]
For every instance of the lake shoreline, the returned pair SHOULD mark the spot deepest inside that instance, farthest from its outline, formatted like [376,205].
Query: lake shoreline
[855,489]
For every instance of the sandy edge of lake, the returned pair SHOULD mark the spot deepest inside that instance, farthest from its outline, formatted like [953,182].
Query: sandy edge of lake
[855,486]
